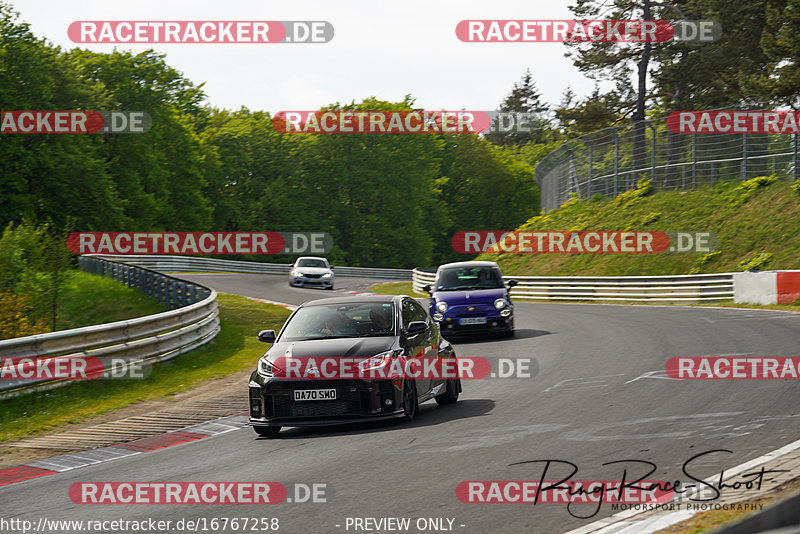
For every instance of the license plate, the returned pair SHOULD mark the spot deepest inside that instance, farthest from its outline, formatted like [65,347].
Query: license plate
[314,394]
[472,320]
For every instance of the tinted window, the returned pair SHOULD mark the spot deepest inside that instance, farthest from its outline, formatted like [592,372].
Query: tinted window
[311,263]
[359,319]
[460,279]
[412,311]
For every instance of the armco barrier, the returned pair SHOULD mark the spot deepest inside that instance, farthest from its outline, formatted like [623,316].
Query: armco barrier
[674,288]
[174,264]
[193,322]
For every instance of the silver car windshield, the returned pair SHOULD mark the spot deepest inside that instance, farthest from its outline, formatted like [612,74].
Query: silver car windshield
[311,263]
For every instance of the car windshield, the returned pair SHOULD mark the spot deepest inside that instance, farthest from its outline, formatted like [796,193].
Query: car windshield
[360,319]
[311,263]
[462,279]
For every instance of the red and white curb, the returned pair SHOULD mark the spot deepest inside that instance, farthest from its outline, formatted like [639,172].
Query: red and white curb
[76,460]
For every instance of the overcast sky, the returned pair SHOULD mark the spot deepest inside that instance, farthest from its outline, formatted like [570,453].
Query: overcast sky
[382,49]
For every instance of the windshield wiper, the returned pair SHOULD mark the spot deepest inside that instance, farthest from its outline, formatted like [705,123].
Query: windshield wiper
[375,334]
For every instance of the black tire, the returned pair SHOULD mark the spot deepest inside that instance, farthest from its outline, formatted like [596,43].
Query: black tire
[267,431]
[410,400]
[510,333]
[451,390]
[331,288]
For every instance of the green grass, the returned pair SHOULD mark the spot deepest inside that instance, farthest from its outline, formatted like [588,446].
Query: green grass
[747,221]
[234,349]
[396,288]
[88,300]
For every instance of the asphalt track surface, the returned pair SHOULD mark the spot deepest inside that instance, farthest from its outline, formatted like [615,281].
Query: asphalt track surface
[599,394]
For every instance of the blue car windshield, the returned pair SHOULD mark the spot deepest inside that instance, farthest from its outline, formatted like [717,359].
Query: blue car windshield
[463,279]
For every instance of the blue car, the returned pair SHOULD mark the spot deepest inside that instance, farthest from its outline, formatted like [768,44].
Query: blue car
[469,297]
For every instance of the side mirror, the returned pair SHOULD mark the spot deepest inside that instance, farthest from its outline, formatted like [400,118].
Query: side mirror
[427,288]
[512,283]
[416,327]
[266,336]
[331,267]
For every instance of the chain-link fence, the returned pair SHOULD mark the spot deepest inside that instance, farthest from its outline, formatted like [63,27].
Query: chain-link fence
[610,161]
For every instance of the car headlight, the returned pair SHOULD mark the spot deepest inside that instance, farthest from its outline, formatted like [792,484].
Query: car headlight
[500,304]
[265,368]
[375,362]
[327,275]
[297,273]
[441,306]
[438,316]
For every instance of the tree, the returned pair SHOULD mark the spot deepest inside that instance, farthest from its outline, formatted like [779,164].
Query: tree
[524,98]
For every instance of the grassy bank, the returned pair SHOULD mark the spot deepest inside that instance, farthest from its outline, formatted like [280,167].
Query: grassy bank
[396,288]
[234,349]
[88,300]
[756,223]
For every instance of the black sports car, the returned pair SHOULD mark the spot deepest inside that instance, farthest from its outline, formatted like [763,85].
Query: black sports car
[373,334]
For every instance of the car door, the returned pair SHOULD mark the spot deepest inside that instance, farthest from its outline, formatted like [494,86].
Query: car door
[420,345]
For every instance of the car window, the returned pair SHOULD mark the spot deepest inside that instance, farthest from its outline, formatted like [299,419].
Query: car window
[461,279]
[311,263]
[359,319]
[412,311]
[418,312]
[408,313]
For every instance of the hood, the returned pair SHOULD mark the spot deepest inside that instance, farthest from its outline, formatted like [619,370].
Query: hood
[362,347]
[473,296]
[312,270]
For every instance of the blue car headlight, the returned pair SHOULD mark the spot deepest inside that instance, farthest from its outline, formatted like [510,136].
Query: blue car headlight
[441,306]
[438,316]
[500,304]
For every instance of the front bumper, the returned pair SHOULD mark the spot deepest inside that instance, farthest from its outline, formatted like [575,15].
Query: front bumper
[306,281]
[272,402]
[450,326]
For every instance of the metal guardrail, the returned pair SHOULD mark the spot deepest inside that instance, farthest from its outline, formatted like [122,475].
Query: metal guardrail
[608,162]
[674,288]
[173,264]
[193,322]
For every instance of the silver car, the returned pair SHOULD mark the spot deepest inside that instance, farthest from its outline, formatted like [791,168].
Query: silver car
[311,271]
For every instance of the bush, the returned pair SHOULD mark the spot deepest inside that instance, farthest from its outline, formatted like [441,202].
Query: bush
[755,262]
[745,190]
[643,188]
[14,322]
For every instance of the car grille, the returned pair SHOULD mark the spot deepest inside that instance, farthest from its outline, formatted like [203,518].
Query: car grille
[348,403]
[313,276]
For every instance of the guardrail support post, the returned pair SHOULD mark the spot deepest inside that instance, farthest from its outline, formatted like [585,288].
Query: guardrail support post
[694,161]
[744,156]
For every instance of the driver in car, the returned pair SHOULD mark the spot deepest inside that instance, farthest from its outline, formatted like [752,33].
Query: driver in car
[483,278]
[331,324]
[380,320]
